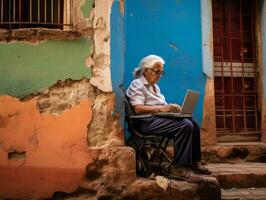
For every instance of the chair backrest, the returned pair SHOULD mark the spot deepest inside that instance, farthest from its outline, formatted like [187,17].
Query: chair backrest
[129,110]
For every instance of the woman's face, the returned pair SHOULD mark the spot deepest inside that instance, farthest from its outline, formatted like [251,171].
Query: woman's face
[154,74]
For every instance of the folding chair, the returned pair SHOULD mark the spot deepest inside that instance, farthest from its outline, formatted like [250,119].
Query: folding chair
[151,156]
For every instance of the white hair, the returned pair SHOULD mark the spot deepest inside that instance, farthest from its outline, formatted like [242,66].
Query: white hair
[147,63]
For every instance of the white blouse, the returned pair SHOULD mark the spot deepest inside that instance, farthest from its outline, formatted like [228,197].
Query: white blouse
[140,92]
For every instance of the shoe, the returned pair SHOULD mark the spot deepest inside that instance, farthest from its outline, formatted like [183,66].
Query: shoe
[185,174]
[199,168]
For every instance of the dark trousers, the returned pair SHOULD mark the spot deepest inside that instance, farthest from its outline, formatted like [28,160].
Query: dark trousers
[184,131]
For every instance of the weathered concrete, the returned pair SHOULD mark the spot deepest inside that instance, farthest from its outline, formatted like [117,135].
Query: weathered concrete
[244,194]
[109,173]
[100,17]
[241,181]
[143,189]
[37,148]
[239,175]
[208,127]
[63,95]
[38,34]
[86,8]
[181,190]
[235,152]
[51,124]
[105,130]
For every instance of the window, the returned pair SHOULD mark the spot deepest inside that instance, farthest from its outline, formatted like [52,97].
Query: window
[55,14]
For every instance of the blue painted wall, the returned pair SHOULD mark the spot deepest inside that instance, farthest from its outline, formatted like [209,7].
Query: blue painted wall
[171,29]
[117,54]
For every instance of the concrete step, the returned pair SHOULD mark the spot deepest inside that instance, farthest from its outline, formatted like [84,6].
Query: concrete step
[171,189]
[235,152]
[244,194]
[239,175]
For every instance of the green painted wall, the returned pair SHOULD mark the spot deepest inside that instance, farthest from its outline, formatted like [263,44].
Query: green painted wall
[86,8]
[26,68]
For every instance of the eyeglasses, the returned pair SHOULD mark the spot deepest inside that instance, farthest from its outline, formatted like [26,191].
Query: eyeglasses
[157,72]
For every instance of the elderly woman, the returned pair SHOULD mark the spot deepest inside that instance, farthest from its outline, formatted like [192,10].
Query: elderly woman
[146,98]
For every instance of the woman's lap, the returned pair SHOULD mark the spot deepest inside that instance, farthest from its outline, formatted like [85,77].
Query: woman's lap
[184,131]
[162,125]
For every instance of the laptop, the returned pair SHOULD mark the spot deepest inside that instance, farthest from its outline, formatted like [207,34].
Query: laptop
[188,106]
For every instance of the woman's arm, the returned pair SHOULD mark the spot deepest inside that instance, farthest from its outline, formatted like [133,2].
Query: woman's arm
[144,109]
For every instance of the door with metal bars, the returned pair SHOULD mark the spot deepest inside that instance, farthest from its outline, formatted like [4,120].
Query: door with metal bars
[235,71]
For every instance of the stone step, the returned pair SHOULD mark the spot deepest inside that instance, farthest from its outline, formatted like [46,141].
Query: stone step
[235,152]
[172,189]
[239,175]
[244,194]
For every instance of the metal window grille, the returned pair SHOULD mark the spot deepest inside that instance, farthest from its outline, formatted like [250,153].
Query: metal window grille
[16,14]
[235,68]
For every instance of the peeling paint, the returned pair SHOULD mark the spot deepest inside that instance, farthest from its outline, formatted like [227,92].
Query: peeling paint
[208,128]
[173,46]
[50,151]
[32,132]
[25,69]
[87,7]
[16,154]
[106,131]
[105,170]
[100,18]
[122,7]
[64,95]
[63,121]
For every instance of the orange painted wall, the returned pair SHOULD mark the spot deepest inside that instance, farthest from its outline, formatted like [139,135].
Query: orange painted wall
[56,151]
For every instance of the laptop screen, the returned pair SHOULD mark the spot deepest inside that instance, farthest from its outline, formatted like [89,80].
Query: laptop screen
[189,102]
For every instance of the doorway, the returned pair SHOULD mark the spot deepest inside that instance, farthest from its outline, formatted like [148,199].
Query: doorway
[235,71]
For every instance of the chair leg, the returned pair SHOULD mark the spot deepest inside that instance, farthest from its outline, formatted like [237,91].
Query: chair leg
[162,151]
[151,163]
[157,150]
[142,167]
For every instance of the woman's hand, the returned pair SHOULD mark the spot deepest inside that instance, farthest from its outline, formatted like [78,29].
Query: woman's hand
[176,106]
[143,109]
[169,108]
